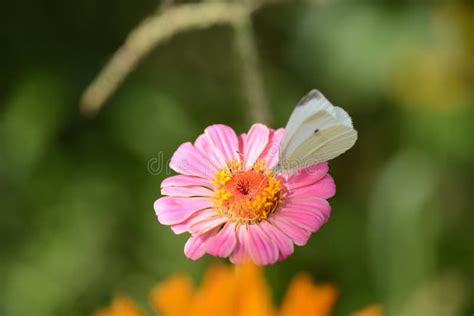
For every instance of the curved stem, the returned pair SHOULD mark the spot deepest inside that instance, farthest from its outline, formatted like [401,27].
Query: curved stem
[146,36]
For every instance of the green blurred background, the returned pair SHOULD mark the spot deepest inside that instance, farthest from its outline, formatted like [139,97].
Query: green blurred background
[77,224]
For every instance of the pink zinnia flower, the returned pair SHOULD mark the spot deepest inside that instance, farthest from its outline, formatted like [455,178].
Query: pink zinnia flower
[234,205]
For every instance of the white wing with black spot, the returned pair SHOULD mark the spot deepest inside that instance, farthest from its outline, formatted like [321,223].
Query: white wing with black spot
[317,131]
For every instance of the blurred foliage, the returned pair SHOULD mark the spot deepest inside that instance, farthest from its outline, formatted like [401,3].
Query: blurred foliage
[77,223]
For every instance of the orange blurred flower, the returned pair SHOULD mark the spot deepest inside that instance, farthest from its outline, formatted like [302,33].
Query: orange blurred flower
[242,291]
[121,306]
[372,310]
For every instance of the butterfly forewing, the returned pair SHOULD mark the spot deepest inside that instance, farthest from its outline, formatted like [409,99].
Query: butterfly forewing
[311,126]
[309,105]
[316,132]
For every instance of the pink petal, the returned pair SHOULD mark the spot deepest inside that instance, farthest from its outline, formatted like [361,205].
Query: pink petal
[195,220]
[173,210]
[307,204]
[223,243]
[308,213]
[308,175]
[257,140]
[206,148]
[299,235]
[186,191]
[285,245]
[206,221]
[182,181]
[195,247]
[261,248]
[184,226]
[242,141]
[324,188]
[310,221]
[189,161]
[239,255]
[225,140]
[180,228]
[272,151]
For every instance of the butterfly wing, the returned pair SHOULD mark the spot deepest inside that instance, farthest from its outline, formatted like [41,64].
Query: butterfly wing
[316,132]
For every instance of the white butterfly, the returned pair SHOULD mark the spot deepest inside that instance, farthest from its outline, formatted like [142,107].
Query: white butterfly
[317,131]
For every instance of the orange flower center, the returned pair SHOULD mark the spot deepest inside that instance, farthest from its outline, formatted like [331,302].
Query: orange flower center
[246,196]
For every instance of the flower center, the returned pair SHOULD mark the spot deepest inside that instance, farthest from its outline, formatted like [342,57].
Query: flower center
[246,195]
